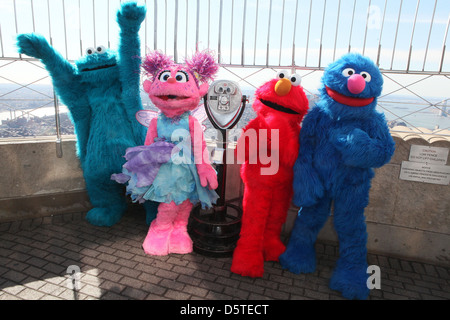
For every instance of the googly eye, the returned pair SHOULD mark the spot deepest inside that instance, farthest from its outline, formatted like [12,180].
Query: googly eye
[296,80]
[164,76]
[101,49]
[366,76]
[282,74]
[348,72]
[90,51]
[182,76]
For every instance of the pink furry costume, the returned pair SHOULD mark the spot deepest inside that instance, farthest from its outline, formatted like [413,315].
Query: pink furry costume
[280,105]
[173,166]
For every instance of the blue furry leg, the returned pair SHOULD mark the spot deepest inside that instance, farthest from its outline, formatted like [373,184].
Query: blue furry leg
[151,209]
[108,201]
[350,274]
[300,254]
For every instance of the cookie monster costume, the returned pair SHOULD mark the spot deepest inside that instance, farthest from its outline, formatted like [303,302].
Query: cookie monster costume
[280,105]
[343,138]
[103,96]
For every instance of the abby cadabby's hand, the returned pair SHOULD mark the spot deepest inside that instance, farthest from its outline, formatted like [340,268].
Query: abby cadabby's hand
[207,175]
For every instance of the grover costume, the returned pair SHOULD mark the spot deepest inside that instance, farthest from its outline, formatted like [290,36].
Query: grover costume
[343,138]
[103,96]
[280,105]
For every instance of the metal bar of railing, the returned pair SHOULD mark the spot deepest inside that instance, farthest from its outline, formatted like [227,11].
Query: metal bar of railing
[186,27]
[93,21]
[197,26]
[268,33]
[256,32]
[65,29]
[293,37]
[79,30]
[444,44]
[351,27]
[281,33]
[337,28]
[321,32]
[232,29]
[429,35]
[396,33]
[243,32]
[32,15]
[175,33]
[412,36]
[381,33]
[219,45]
[367,27]
[307,34]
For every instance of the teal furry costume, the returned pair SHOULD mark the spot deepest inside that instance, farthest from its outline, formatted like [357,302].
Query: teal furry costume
[102,94]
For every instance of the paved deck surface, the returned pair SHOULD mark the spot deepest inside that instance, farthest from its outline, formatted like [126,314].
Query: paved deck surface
[35,256]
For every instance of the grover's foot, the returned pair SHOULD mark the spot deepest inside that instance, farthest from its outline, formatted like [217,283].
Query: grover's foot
[299,260]
[180,242]
[157,241]
[248,263]
[104,217]
[273,248]
[351,282]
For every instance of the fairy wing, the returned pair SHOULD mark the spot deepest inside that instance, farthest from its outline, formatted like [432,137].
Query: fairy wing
[144,117]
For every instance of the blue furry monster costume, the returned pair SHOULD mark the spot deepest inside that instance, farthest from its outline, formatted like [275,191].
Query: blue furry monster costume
[103,96]
[342,139]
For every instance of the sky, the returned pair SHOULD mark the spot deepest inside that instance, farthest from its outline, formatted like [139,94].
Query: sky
[251,32]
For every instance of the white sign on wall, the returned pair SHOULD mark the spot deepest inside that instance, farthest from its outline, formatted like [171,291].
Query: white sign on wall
[424,154]
[426,164]
[423,172]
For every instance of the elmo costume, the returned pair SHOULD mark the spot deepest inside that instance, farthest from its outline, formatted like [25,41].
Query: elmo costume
[268,149]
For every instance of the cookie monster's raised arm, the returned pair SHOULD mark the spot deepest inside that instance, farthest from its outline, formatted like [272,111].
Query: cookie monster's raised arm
[129,18]
[308,187]
[63,73]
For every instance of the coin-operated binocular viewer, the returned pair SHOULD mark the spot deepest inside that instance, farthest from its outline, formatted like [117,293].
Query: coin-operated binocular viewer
[215,231]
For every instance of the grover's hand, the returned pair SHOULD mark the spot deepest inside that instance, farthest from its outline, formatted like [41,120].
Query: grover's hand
[308,188]
[130,16]
[34,45]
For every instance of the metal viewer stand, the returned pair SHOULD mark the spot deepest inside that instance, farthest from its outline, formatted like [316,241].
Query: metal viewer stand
[215,231]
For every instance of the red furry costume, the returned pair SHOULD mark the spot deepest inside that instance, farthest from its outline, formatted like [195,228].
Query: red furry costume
[280,105]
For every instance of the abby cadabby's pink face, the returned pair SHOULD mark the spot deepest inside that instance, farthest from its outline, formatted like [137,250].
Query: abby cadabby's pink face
[174,91]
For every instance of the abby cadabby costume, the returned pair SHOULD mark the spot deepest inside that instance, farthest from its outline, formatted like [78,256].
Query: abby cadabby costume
[173,166]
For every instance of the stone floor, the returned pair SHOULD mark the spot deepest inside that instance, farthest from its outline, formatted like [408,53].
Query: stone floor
[39,257]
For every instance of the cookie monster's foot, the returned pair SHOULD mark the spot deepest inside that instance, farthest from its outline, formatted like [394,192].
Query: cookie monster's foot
[299,260]
[273,248]
[351,282]
[248,263]
[157,241]
[104,217]
[180,242]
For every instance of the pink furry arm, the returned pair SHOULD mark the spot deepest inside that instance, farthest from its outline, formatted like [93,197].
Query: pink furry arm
[152,132]
[205,171]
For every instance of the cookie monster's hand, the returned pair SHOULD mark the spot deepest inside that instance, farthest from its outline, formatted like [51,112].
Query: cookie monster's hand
[34,45]
[358,149]
[130,16]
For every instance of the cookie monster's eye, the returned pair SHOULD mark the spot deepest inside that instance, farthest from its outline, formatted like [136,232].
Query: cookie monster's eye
[182,76]
[296,80]
[164,76]
[366,76]
[90,51]
[101,49]
[282,74]
[348,72]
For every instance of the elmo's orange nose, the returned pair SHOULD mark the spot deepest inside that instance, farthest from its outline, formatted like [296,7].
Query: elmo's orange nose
[283,87]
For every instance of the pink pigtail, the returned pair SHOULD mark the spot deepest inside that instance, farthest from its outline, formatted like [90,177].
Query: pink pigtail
[156,61]
[203,65]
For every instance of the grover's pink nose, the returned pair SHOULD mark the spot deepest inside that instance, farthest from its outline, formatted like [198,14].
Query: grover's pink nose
[356,84]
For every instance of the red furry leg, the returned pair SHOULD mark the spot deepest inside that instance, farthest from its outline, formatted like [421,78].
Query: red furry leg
[281,201]
[248,259]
